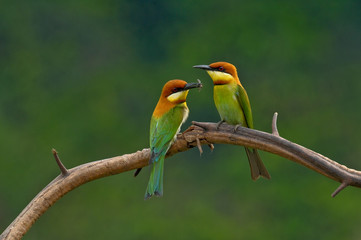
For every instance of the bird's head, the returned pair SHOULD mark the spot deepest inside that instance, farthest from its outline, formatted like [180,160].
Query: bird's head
[221,72]
[176,91]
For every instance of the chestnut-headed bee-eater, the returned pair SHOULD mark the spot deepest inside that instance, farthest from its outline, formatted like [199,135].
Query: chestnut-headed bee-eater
[233,106]
[169,114]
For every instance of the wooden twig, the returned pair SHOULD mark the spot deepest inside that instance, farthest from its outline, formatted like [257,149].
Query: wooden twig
[63,169]
[340,188]
[199,146]
[274,124]
[206,133]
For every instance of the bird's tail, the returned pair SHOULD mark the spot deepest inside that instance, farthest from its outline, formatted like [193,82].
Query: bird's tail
[257,167]
[155,184]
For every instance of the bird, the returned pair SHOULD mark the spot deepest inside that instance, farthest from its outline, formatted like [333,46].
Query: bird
[169,114]
[234,108]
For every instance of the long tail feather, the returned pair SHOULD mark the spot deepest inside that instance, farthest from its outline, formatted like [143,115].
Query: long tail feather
[257,167]
[155,184]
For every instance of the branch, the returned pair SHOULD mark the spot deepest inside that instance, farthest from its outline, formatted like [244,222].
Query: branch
[198,134]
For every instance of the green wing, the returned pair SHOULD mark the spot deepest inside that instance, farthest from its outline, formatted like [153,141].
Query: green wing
[257,167]
[163,130]
[245,105]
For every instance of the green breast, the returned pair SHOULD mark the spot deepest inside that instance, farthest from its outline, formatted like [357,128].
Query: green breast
[227,104]
[164,129]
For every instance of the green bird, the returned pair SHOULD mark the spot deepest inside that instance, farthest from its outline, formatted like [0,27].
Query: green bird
[168,116]
[233,106]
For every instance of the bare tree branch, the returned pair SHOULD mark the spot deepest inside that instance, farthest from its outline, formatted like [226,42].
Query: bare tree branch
[196,135]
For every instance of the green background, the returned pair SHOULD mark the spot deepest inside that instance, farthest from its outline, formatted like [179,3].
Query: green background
[84,77]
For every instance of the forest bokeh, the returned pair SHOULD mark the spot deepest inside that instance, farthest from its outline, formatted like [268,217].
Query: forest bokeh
[84,77]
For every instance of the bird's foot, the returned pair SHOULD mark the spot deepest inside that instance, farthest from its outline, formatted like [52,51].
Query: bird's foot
[219,124]
[236,127]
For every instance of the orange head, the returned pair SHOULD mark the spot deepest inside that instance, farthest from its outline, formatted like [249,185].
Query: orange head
[174,92]
[221,72]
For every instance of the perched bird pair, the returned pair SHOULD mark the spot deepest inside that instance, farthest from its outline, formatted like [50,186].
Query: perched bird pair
[233,106]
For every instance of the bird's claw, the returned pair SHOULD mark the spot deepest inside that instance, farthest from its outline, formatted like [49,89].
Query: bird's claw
[236,128]
[219,124]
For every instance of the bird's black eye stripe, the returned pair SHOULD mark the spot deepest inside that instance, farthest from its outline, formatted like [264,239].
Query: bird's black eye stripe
[176,89]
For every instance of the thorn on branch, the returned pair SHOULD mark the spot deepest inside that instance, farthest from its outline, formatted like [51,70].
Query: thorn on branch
[199,146]
[340,188]
[274,125]
[211,146]
[201,124]
[63,169]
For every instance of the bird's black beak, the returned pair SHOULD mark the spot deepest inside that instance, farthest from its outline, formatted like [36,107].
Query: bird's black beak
[205,67]
[193,85]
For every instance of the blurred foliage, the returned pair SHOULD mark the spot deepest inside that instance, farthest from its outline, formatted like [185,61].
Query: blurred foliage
[84,77]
